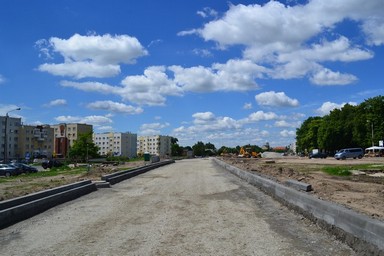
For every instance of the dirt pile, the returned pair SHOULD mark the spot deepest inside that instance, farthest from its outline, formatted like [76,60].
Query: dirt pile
[363,193]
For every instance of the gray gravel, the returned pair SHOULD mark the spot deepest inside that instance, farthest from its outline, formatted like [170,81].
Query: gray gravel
[192,207]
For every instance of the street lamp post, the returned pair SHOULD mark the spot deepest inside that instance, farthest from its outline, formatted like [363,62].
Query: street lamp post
[6,135]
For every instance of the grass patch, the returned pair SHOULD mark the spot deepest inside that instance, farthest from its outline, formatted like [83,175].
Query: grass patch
[337,171]
[347,170]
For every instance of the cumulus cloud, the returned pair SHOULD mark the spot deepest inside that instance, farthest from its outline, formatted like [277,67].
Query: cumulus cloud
[328,77]
[261,116]
[212,128]
[149,88]
[287,133]
[275,99]
[156,83]
[328,106]
[80,69]
[93,120]
[91,55]
[57,102]
[277,36]
[115,107]
[91,87]
[152,128]
[234,75]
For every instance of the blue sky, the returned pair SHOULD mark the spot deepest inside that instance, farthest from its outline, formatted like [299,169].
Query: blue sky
[228,73]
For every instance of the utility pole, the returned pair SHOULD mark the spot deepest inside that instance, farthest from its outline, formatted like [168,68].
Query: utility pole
[6,135]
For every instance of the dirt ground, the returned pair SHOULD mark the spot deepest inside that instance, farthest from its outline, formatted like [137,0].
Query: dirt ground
[23,185]
[362,192]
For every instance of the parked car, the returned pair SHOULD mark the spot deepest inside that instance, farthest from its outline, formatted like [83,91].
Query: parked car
[24,168]
[349,153]
[317,155]
[7,170]
[51,163]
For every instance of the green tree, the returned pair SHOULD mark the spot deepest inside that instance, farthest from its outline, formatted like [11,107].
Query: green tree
[199,149]
[83,148]
[372,111]
[350,126]
[176,150]
[306,134]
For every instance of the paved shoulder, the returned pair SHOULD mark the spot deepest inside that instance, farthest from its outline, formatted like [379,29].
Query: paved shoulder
[190,207]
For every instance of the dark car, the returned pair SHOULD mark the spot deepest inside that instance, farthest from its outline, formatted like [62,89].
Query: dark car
[318,155]
[51,163]
[7,170]
[24,168]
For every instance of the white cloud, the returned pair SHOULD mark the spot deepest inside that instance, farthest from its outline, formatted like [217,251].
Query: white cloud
[275,99]
[277,36]
[208,127]
[287,133]
[115,107]
[92,55]
[202,52]
[57,102]
[234,75]
[93,120]
[152,128]
[203,117]
[328,106]
[149,88]
[247,105]
[261,116]
[207,12]
[81,69]
[374,28]
[2,79]
[91,87]
[328,77]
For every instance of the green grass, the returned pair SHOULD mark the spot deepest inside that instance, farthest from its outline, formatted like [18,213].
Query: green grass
[347,170]
[337,170]
[55,171]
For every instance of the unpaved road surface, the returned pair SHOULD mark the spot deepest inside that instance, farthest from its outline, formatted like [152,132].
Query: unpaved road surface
[192,207]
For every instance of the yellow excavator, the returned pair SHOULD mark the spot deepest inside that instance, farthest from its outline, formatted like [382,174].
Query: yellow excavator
[247,154]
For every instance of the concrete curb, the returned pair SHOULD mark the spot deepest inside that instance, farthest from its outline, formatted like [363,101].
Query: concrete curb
[363,234]
[127,174]
[21,208]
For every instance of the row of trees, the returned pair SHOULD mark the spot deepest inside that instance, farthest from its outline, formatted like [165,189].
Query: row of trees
[350,126]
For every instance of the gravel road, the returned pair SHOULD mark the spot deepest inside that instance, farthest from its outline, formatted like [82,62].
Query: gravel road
[192,207]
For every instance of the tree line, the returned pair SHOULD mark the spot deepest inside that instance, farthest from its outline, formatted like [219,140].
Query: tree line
[351,126]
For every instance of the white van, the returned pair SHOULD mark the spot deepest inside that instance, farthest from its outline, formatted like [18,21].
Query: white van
[349,153]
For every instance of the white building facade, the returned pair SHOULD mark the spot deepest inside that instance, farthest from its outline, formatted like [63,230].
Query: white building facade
[116,144]
[155,145]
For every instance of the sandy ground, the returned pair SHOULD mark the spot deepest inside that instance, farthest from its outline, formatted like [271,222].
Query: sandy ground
[362,193]
[192,207]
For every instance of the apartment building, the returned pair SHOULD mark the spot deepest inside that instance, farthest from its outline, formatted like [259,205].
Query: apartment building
[36,141]
[66,134]
[154,145]
[116,144]
[9,139]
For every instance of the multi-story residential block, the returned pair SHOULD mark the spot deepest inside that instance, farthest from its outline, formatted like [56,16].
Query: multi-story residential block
[154,145]
[66,134]
[36,141]
[116,144]
[9,137]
